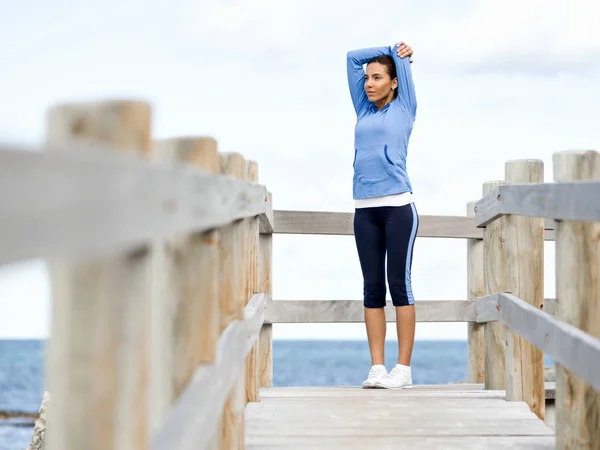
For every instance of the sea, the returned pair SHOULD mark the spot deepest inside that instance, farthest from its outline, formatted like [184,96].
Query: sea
[295,363]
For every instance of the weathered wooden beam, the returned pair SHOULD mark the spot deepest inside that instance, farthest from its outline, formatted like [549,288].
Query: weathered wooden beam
[573,348]
[186,284]
[487,308]
[480,310]
[252,385]
[51,202]
[351,311]
[524,253]
[190,426]
[578,287]
[494,279]
[340,223]
[234,276]
[575,200]
[99,346]
[267,220]
[475,286]
[265,284]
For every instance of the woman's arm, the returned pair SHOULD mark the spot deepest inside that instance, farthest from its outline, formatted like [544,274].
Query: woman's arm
[406,87]
[356,74]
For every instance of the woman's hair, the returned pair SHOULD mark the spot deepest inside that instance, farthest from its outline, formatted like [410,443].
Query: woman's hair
[389,64]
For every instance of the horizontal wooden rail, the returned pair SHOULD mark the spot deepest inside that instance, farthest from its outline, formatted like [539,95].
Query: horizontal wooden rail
[577,200]
[340,223]
[68,203]
[352,311]
[194,419]
[568,345]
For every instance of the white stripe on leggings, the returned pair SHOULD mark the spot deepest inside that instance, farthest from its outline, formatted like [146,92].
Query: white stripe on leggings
[413,235]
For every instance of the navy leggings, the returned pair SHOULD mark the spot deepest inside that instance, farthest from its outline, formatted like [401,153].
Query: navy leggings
[382,229]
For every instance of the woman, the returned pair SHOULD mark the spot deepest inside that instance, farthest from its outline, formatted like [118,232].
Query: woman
[385,218]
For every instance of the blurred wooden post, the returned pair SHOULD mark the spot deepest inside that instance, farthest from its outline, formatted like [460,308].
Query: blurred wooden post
[265,338]
[524,265]
[475,331]
[232,292]
[252,366]
[99,346]
[578,303]
[494,282]
[186,277]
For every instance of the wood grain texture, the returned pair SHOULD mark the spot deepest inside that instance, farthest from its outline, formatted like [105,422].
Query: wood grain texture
[232,303]
[578,292]
[487,308]
[191,426]
[352,311]
[494,280]
[421,418]
[475,288]
[524,256]
[574,349]
[480,310]
[340,223]
[267,219]
[252,279]
[265,285]
[98,365]
[576,200]
[52,201]
[191,314]
[489,208]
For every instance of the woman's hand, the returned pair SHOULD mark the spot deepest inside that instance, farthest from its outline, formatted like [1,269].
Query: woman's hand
[404,50]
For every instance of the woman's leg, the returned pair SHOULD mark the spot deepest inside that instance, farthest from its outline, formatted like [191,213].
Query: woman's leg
[369,234]
[401,232]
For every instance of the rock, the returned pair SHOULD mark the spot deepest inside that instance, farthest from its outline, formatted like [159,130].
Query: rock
[39,430]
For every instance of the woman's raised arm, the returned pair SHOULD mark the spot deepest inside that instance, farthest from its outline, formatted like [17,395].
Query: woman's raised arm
[406,87]
[356,74]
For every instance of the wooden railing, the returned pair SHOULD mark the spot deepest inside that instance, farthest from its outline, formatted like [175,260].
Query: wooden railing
[159,278]
[351,310]
[159,256]
[513,214]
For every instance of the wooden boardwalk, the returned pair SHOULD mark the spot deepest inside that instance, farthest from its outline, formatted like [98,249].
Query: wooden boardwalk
[160,258]
[425,417]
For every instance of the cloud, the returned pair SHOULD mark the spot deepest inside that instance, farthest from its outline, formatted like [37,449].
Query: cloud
[537,37]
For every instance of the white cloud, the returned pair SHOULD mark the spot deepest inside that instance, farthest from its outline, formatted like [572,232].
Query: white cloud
[538,37]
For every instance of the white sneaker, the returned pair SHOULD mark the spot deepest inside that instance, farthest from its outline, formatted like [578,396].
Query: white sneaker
[375,374]
[399,378]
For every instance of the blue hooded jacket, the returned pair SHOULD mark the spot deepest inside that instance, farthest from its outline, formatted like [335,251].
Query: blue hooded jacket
[381,137]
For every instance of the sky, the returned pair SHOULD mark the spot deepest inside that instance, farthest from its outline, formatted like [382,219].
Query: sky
[495,81]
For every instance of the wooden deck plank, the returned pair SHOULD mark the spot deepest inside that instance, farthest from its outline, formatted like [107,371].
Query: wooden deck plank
[425,417]
[344,391]
[352,442]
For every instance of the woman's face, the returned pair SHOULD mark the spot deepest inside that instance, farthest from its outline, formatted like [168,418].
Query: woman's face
[378,83]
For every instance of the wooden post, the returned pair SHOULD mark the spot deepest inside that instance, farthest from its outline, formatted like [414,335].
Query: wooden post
[494,282]
[475,331]
[524,259]
[578,303]
[252,366]
[186,279]
[99,345]
[232,291]
[265,337]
